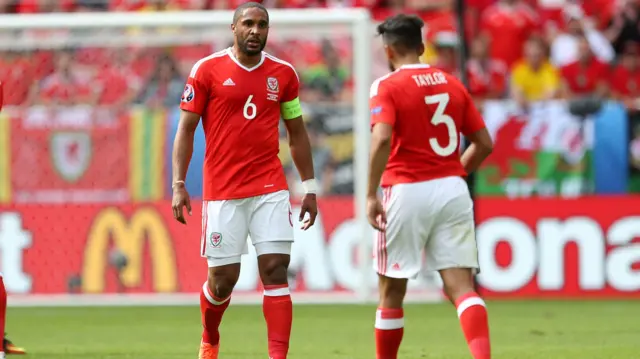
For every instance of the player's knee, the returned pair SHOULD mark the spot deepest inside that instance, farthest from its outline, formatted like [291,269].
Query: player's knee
[392,291]
[222,280]
[457,282]
[273,268]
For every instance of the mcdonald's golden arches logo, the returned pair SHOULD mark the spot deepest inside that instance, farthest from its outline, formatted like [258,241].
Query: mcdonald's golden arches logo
[145,225]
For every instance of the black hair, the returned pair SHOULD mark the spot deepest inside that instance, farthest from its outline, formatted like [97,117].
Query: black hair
[402,32]
[248,5]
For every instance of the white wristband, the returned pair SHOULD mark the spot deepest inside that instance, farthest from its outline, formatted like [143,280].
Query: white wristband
[176,183]
[310,186]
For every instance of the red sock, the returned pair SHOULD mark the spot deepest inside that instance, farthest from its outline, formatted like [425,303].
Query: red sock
[475,324]
[278,313]
[3,307]
[212,309]
[389,331]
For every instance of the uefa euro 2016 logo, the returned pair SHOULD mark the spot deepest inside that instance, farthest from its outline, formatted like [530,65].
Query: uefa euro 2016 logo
[188,94]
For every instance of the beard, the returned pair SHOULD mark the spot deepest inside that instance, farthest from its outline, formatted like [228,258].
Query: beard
[245,48]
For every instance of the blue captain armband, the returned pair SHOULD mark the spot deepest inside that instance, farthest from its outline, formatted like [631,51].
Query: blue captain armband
[291,109]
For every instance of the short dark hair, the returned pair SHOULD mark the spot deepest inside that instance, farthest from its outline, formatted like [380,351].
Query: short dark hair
[248,5]
[403,32]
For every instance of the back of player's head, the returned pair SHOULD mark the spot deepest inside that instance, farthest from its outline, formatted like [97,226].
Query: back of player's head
[248,5]
[402,32]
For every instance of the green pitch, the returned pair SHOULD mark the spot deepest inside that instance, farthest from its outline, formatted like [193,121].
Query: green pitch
[520,330]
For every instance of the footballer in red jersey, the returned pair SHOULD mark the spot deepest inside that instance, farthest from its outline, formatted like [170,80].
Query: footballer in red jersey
[241,93]
[7,346]
[417,115]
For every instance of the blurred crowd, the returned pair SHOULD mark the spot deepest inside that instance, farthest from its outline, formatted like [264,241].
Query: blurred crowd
[526,50]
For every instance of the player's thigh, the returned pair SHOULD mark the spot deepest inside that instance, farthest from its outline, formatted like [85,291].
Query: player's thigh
[271,222]
[398,250]
[225,226]
[452,242]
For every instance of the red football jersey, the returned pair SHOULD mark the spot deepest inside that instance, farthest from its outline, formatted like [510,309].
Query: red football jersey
[584,80]
[428,110]
[240,109]
[508,27]
[625,82]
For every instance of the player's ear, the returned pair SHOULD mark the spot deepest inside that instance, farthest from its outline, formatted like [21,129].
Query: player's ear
[389,52]
[233,28]
[421,49]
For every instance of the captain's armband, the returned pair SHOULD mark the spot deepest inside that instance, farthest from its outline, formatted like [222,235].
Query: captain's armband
[291,109]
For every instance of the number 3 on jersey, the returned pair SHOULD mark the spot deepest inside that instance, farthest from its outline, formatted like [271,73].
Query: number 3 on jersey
[439,117]
[250,111]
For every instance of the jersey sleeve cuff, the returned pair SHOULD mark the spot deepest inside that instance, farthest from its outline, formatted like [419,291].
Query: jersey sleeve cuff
[291,109]
[190,109]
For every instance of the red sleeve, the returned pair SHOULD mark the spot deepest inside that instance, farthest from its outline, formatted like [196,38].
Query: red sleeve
[473,121]
[196,92]
[381,104]
[291,92]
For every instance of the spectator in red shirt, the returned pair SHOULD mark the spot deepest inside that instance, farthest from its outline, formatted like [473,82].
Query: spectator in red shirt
[487,76]
[118,85]
[65,86]
[472,17]
[34,6]
[625,79]
[127,5]
[508,24]
[17,72]
[586,76]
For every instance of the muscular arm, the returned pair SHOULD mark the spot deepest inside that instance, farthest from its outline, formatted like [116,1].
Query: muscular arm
[379,155]
[183,144]
[481,147]
[300,147]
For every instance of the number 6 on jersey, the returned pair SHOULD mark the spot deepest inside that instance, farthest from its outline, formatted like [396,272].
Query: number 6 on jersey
[250,111]
[439,117]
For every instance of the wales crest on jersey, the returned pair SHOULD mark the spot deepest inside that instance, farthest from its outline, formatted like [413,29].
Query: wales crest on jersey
[272,84]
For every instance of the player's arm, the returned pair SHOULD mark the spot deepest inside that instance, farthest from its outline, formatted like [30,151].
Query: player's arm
[379,155]
[300,147]
[183,146]
[475,130]
[192,105]
[181,157]
[383,117]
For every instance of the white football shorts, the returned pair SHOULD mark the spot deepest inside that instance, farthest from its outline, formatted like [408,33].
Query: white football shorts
[428,223]
[227,223]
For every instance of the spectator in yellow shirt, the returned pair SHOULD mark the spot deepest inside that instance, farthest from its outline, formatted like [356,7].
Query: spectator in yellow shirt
[534,78]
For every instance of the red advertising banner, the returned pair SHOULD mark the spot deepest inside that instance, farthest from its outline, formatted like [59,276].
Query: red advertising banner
[71,154]
[54,248]
[587,247]
[583,247]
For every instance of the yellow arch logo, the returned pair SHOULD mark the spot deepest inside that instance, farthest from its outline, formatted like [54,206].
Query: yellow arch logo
[129,237]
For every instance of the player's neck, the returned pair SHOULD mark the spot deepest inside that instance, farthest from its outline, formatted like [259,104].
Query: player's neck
[408,61]
[244,59]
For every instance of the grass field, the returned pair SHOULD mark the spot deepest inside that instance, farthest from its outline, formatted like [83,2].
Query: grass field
[520,330]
